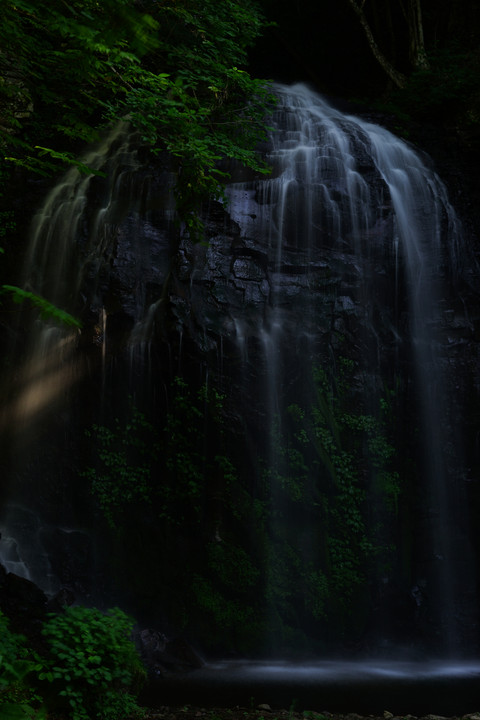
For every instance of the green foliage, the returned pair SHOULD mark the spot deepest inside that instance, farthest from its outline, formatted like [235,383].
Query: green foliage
[297,587]
[7,223]
[291,551]
[172,469]
[226,593]
[184,452]
[327,457]
[18,699]
[446,91]
[68,159]
[181,478]
[229,614]
[21,711]
[192,443]
[92,669]
[447,87]
[7,216]
[48,311]
[122,476]
[172,68]
[93,663]
[36,163]
[11,653]
[232,566]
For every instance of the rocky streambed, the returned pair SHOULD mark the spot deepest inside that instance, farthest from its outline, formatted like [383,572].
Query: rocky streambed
[266,712]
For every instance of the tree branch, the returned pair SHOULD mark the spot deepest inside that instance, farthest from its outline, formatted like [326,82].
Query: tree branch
[395,75]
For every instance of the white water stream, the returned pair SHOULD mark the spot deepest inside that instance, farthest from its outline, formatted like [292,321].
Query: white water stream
[346,188]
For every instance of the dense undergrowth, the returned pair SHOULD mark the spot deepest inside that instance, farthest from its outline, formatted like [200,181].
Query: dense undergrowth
[84,667]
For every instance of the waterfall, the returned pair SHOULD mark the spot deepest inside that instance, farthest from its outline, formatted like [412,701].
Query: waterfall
[319,315]
[348,197]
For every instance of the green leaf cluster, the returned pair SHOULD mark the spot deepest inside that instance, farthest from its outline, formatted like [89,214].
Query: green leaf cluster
[135,466]
[229,614]
[122,477]
[174,69]
[327,456]
[89,668]
[19,699]
[93,662]
[48,311]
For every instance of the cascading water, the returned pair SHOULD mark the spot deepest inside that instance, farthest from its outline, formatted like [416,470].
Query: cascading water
[347,194]
[319,309]
[81,248]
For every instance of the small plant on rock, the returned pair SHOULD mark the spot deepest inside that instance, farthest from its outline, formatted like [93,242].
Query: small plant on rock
[18,699]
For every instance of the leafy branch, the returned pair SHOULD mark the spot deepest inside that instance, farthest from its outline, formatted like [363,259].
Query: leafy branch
[48,311]
[174,69]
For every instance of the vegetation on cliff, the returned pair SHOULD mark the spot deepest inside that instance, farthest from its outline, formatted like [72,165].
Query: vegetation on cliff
[174,69]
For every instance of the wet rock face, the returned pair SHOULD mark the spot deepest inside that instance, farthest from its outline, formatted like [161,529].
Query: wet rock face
[309,264]
[237,287]
[311,253]
[24,604]
[336,274]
